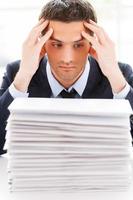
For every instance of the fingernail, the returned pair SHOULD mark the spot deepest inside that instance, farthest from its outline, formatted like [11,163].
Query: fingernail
[86,23]
[41,20]
[91,21]
[50,30]
[83,32]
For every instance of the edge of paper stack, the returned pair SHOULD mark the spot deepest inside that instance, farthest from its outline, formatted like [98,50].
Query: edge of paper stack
[69,145]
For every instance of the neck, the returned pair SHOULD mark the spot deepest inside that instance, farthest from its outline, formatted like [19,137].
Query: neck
[67,83]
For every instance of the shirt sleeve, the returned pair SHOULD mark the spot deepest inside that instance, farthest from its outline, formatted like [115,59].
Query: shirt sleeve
[123,93]
[16,93]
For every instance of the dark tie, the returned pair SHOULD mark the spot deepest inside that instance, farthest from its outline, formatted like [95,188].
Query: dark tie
[71,94]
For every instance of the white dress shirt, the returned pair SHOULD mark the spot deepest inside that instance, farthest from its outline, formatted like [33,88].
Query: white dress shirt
[79,85]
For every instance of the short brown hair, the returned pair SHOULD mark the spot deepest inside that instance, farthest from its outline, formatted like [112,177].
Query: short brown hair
[68,11]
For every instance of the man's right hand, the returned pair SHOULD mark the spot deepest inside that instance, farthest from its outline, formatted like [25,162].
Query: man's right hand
[31,55]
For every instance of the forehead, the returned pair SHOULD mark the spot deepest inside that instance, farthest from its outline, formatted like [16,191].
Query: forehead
[67,32]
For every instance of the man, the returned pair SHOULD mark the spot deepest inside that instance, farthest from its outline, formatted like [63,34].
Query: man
[66,51]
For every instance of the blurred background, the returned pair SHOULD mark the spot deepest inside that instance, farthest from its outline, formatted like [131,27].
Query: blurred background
[17,17]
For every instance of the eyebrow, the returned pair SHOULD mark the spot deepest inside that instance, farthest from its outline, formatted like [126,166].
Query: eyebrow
[55,39]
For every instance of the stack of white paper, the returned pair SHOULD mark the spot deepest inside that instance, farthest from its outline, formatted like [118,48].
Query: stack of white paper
[69,144]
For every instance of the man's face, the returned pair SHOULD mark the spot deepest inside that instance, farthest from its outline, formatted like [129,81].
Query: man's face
[67,51]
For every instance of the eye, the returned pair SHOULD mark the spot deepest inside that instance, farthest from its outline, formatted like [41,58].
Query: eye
[57,45]
[78,45]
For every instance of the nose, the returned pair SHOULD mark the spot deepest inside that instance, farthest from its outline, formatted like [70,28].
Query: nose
[67,55]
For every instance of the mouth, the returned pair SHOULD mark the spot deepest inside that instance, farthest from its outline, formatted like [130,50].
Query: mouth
[67,67]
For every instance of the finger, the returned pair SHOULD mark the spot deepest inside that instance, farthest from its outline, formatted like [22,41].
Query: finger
[105,34]
[92,22]
[93,53]
[98,31]
[91,40]
[45,38]
[36,32]
[39,28]
[40,22]
[43,52]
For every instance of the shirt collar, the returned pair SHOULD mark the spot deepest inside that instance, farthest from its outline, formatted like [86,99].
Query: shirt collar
[79,85]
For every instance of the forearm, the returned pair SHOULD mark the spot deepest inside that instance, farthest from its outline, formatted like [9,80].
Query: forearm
[117,80]
[22,81]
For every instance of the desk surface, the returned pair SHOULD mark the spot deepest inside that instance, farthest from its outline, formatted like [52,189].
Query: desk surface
[6,195]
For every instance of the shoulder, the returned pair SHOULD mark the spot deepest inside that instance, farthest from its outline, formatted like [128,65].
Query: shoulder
[13,65]
[126,69]
[12,68]
[127,72]
[123,66]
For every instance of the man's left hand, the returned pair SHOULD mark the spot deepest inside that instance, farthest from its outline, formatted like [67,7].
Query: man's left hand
[103,50]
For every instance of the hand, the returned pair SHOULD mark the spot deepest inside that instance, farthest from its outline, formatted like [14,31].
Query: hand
[31,54]
[32,47]
[103,50]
